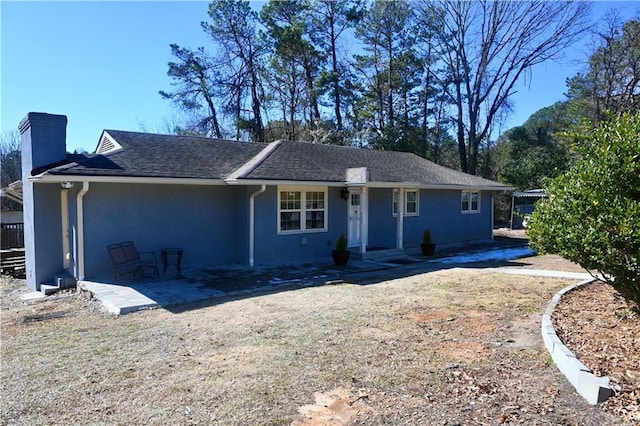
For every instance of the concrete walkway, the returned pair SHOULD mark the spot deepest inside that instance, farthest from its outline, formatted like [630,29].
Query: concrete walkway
[547,273]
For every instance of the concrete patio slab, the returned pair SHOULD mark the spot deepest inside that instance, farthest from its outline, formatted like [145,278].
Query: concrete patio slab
[240,281]
[120,299]
[197,285]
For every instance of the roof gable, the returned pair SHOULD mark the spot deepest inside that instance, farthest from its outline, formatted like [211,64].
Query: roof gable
[168,156]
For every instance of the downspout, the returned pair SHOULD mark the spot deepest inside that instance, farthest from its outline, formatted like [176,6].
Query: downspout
[64,213]
[252,225]
[80,231]
[364,219]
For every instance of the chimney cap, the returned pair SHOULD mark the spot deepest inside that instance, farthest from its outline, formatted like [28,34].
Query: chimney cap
[42,118]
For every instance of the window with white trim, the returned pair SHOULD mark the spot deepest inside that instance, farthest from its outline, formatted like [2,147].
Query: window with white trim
[302,210]
[470,202]
[411,197]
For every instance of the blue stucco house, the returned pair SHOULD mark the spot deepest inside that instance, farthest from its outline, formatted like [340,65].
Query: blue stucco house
[229,202]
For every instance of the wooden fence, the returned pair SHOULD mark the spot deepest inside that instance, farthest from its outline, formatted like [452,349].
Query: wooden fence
[12,235]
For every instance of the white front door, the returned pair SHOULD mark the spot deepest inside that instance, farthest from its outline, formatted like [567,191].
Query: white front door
[355,217]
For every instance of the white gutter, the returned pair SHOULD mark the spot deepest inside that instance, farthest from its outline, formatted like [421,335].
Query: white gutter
[252,225]
[80,230]
[45,178]
[281,182]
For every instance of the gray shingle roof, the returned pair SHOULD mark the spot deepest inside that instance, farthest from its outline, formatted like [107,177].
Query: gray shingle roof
[152,155]
[299,161]
[167,156]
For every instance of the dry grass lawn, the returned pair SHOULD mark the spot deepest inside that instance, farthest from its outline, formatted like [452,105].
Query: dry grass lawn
[448,347]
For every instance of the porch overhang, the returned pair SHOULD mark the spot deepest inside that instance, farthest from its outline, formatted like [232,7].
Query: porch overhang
[13,192]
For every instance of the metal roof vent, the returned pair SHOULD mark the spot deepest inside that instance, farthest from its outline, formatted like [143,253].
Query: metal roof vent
[107,144]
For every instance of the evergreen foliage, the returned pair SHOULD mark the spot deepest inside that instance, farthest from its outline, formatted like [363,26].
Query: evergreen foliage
[422,76]
[591,216]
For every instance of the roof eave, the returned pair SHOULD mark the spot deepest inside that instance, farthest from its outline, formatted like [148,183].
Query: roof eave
[48,178]
[59,178]
[469,187]
[416,185]
[282,182]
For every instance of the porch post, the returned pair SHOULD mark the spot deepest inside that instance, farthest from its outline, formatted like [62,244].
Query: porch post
[364,220]
[512,208]
[492,214]
[80,231]
[400,219]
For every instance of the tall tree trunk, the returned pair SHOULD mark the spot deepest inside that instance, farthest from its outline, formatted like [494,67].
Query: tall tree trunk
[213,116]
[255,99]
[390,80]
[314,112]
[425,106]
[437,132]
[379,92]
[292,105]
[462,147]
[335,73]
[474,143]
[425,123]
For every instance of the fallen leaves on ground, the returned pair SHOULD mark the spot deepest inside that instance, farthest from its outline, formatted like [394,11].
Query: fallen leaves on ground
[595,323]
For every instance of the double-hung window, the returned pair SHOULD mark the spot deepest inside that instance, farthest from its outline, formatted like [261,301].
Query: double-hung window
[410,202]
[470,202]
[301,210]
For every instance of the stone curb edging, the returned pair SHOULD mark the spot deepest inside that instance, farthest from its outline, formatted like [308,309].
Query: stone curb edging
[593,389]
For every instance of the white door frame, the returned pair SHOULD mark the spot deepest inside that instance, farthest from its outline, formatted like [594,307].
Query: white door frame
[363,226]
[354,230]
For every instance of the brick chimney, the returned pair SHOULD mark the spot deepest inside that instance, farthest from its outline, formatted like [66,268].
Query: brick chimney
[43,144]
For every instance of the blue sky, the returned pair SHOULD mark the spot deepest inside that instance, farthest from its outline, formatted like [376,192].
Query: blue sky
[102,63]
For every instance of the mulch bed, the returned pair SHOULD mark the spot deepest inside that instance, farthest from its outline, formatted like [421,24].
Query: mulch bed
[602,330]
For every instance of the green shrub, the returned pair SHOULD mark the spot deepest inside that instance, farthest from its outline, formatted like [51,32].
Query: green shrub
[592,216]
[426,237]
[341,243]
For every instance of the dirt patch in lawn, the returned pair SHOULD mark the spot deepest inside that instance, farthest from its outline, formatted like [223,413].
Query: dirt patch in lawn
[450,347]
[597,325]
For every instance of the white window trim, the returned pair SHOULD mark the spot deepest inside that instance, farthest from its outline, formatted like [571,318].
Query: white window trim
[405,214]
[303,199]
[470,210]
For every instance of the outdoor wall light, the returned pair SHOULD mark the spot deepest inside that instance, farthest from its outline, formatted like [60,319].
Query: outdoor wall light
[344,193]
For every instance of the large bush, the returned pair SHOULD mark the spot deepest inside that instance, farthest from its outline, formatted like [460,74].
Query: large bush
[592,216]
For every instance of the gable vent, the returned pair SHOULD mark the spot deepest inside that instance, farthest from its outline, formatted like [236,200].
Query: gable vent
[107,144]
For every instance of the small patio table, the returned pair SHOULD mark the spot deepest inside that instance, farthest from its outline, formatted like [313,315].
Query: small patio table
[176,253]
